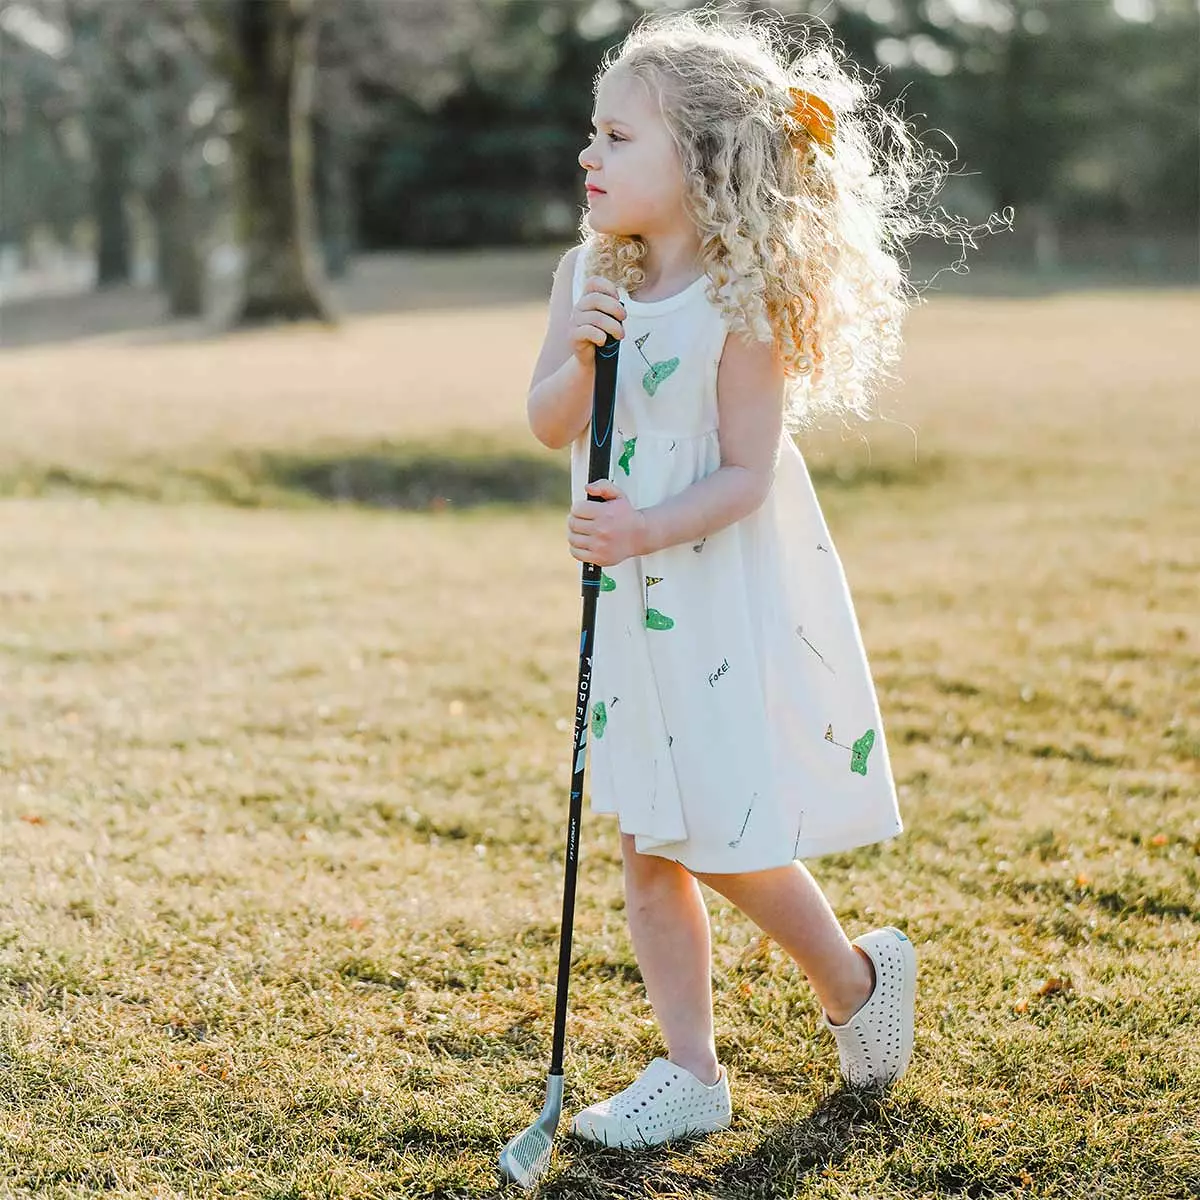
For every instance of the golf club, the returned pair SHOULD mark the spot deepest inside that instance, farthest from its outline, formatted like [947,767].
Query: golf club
[527,1155]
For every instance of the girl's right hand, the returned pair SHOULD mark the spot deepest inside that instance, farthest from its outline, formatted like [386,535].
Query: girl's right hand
[597,314]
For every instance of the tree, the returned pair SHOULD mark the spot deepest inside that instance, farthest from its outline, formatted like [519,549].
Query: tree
[42,172]
[176,106]
[267,49]
[181,260]
[94,32]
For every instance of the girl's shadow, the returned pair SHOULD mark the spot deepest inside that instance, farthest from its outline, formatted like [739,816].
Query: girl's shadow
[844,1123]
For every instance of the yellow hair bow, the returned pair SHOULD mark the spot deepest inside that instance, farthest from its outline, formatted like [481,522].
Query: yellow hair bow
[814,115]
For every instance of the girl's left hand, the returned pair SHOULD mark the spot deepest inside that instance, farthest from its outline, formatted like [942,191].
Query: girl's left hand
[605,533]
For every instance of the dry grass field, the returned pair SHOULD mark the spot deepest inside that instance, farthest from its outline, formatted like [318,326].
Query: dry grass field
[283,779]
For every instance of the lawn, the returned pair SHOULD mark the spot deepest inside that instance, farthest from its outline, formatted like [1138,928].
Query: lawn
[284,760]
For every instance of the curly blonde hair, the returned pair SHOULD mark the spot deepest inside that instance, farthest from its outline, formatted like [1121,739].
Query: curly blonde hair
[797,239]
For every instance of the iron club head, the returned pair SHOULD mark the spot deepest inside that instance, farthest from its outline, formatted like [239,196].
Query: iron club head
[525,1159]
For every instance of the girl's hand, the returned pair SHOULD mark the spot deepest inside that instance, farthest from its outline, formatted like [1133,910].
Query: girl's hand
[597,314]
[605,533]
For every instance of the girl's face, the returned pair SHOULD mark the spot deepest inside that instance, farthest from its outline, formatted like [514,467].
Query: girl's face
[634,176]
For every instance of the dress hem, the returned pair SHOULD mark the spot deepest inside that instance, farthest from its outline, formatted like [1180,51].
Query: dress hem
[810,848]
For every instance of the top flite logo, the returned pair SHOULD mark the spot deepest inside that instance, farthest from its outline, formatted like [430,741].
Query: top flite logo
[584,683]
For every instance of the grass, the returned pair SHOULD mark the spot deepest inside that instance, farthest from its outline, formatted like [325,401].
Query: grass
[283,781]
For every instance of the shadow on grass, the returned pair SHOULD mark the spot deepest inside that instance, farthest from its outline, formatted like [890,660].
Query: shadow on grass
[383,477]
[1146,902]
[412,478]
[845,1124]
[409,477]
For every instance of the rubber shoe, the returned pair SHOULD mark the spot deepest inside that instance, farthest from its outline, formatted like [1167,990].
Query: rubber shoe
[876,1043]
[664,1102]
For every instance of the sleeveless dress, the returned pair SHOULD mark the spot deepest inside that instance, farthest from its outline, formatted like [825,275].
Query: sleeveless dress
[734,725]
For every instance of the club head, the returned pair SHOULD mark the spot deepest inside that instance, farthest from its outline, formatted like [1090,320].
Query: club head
[525,1159]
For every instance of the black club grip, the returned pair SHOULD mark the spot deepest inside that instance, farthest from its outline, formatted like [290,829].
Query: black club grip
[604,402]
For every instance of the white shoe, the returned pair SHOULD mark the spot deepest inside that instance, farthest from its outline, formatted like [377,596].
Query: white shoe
[664,1102]
[876,1043]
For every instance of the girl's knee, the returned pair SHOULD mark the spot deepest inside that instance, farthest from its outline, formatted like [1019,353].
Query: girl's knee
[648,867]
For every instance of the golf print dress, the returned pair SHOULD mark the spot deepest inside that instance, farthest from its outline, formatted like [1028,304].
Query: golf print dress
[734,722]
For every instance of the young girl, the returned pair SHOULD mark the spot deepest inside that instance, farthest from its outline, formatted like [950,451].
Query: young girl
[735,243]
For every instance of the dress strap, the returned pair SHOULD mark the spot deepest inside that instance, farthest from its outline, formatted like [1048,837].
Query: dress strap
[577,278]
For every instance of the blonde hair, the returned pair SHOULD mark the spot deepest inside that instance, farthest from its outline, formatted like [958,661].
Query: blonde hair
[798,240]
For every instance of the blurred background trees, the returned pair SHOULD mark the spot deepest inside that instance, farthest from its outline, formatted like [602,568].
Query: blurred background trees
[171,143]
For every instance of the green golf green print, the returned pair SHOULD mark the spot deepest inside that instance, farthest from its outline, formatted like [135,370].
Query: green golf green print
[858,752]
[607,583]
[655,619]
[658,370]
[630,446]
[599,718]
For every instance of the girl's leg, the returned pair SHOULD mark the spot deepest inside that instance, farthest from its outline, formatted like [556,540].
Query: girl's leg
[671,938]
[787,904]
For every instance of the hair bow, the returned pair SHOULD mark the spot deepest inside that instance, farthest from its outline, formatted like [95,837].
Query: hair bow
[815,115]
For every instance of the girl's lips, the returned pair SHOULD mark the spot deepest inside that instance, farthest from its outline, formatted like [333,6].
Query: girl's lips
[595,191]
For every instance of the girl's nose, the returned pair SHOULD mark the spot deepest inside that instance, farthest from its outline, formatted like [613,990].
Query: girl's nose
[587,157]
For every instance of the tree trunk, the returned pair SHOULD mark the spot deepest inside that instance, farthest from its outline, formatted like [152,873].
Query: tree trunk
[335,217]
[181,265]
[107,123]
[1012,181]
[274,61]
[180,260]
[110,178]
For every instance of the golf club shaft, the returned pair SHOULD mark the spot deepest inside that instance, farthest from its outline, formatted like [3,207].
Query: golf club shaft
[603,405]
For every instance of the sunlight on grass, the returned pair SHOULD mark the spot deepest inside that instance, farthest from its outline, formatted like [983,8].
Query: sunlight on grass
[282,789]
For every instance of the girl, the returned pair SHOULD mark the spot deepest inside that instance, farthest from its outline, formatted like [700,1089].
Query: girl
[735,242]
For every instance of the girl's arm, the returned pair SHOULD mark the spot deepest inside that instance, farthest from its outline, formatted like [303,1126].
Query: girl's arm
[750,388]
[559,404]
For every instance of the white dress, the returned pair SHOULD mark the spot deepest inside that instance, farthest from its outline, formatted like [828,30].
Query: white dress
[734,722]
